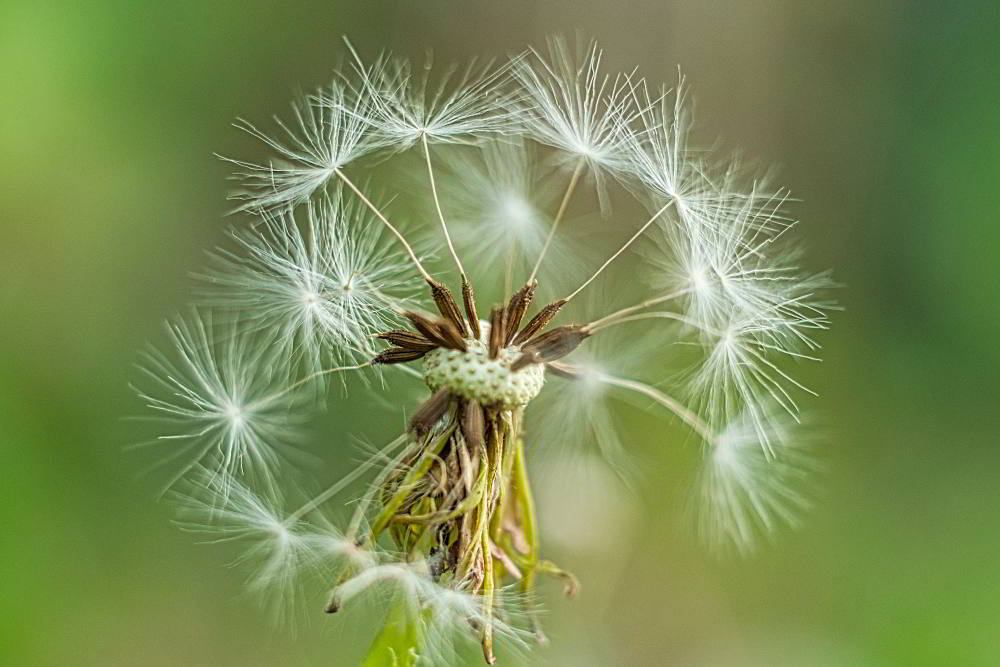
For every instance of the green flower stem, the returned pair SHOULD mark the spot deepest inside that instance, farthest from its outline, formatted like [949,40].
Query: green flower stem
[522,492]
[400,642]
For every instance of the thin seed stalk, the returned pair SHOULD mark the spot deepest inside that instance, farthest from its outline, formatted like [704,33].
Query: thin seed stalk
[488,512]
[488,588]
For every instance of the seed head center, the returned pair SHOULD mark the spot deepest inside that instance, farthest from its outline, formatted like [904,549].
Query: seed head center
[472,374]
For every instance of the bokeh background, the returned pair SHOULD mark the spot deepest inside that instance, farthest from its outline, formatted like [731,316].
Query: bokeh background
[883,118]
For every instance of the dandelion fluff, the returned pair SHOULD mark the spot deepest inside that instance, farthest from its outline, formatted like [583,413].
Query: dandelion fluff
[497,199]
[741,494]
[223,509]
[328,132]
[573,106]
[322,288]
[224,403]
[459,106]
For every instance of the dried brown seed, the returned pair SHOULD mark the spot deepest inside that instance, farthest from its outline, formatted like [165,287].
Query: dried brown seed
[407,339]
[517,307]
[498,330]
[445,303]
[551,345]
[438,331]
[525,360]
[539,321]
[469,298]
[425,325]
[450,335]
[397,355]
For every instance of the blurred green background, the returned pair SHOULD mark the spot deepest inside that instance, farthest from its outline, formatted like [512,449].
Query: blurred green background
[883,117]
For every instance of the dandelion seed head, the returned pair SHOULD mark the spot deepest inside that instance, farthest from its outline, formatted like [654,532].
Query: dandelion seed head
[327,282]
[474,375]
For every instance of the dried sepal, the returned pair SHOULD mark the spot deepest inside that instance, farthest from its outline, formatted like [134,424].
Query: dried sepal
[428,414]
[473,424]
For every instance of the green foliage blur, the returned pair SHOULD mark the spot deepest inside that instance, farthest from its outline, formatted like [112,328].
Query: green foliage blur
[883,118]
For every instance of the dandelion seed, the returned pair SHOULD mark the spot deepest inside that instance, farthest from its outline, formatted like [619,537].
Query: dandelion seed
[582,413]
[573,106]
[740,374]
[742,494]
[733,263]
[496,199]
[226,510]
[329,132]
[405,107]
[660,159]
[224,403]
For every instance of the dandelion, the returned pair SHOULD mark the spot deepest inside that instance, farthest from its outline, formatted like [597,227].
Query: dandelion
[327,283]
